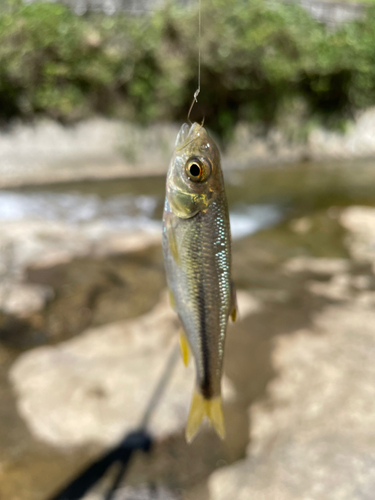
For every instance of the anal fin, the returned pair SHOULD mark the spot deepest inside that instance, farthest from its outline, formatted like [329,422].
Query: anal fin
[185,349]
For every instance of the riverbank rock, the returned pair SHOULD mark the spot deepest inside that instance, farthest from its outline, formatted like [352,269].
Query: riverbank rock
[313,436]
[46,151]
[95,388]
[358,140]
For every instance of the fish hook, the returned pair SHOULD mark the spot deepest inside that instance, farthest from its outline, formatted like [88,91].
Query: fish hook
[196,93]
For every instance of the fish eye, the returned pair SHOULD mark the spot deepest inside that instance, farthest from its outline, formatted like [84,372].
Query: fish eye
[195,170]
[198,169]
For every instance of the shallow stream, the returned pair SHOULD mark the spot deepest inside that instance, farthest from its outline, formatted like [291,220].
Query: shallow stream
[276,214]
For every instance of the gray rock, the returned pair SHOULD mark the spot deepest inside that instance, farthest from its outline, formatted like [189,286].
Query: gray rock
[313,437]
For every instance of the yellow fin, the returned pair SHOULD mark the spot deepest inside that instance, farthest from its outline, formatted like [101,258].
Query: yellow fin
[184,346]
[172,240]
[200,408]
[215,416]
[171,299]
[196,415]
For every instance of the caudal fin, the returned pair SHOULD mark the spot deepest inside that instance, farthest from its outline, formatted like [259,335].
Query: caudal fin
[200,408]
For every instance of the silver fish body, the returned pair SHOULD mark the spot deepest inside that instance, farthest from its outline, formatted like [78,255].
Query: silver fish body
[197,255]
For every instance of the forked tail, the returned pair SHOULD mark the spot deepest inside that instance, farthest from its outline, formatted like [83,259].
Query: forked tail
[200,408]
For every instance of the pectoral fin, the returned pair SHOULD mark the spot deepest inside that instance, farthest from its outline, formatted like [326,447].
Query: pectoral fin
[200,408]
[185,349]
[172,242]
[171,299]
[234,306]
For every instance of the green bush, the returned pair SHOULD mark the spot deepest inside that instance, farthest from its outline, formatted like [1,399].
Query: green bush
[257,60]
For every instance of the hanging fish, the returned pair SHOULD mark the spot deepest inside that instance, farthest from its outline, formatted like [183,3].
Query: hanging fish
[197,256]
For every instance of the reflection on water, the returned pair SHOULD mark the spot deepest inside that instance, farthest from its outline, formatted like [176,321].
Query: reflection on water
[121,212]
[247,219]
[257,198]
[126,211]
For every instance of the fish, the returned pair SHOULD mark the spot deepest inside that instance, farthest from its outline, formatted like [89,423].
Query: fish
[197,256]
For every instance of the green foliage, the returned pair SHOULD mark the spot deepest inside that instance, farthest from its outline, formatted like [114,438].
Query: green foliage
[256,58]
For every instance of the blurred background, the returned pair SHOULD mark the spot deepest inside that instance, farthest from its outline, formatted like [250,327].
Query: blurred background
[93,395]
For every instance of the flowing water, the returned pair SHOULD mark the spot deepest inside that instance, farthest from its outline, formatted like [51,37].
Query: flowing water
[276,214]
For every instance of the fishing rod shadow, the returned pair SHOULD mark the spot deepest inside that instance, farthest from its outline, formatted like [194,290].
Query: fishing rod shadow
[139,439]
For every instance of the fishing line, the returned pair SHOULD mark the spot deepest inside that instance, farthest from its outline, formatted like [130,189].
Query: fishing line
[196,93]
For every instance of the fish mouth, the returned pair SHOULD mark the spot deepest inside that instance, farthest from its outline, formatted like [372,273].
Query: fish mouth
[188,134]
